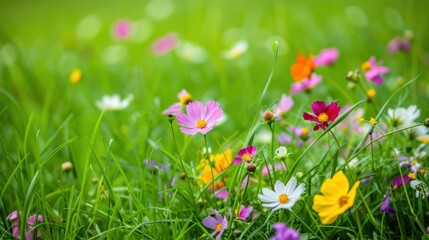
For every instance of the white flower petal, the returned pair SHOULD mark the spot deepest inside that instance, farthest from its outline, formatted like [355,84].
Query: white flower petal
[290,186]
[279,187]
[270,193]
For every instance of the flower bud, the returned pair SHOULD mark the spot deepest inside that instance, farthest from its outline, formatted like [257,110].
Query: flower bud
[268,116]
[251,167]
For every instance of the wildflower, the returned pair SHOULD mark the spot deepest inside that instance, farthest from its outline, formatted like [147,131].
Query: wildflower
[222,194]
[372,121]
[370,94]
[191,53]
[373,71]
[283,232]
[165,44]
[122,29]
[245,155]
[243,213]
[323,114]
[302,68]
[353,76]
[277,166]
[413,162]
[398,44]
[421,189]
[75,76]
[285,105]
[213,167]
[281,152]
[283,138]
[282,196]
[385,207]
[184,98]
[336,198]
[114,102]
[66,166]
[199,119]
[326,57]
[268,116]
[216,222]
[399,181]
[360,119]
[31,221]
[238,49]
[306,84]
[403,117]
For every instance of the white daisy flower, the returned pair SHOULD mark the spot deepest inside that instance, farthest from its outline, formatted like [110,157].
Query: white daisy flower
[281,152]
[403,117]
[113,102]
[236,50]
[282,196]
[421,189]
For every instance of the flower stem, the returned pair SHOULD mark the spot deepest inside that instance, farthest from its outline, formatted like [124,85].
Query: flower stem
[207,156]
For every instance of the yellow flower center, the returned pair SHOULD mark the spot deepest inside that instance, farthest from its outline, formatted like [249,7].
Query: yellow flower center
[201,124]
[371,93]
[246,157]
[323,117]
[366,66]
[343,200]
[218,227]
[412,175]
[185,99]
[304,131]
[283,198]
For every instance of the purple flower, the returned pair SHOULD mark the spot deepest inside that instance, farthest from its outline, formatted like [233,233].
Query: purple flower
[398,43]
[385,207]
[199,119]
[244,212]
[326,57]
[283,138]
[222,194]
[164,44]
[323,114]
[245,155]
[283,232]
[216,222]
[373,71]
[285,105]
[184,98]
[122,29]
[400,180]
[306,85]
[32,221]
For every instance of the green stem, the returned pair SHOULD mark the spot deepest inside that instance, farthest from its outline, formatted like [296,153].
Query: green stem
[210,164]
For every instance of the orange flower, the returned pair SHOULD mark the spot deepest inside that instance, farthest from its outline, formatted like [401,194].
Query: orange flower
[303,68]
[214,167]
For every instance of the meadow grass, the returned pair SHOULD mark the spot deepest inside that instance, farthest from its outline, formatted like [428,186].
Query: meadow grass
[136,175]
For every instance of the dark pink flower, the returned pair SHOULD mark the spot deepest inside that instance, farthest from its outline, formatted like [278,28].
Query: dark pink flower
[373,71]
[216,222]
[324,115]
[32,221]
[326,57]
[283,232]
[398,43]
[244,212]
[122,29]
[245,155]
[400,180]
[164,44]
[306,85]
[200,118]
[222,194]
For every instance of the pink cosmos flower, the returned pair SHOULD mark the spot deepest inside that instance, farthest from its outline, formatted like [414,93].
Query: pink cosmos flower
[199,119]
[184,98]
[245,155]
[324,115]
[326,57]
[285,105]
[373,71]
[216,222]
[164,44]
[278,166]
[283,232]
[32,221]
[222,194]
[122,29]
[244,212]
[398,43]
[306,85]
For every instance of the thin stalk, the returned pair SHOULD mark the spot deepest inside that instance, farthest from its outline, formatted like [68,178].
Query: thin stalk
[208,159]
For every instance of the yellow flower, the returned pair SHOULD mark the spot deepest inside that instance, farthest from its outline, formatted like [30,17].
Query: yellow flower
[372,121]
[217,164]
[360,119]
[371,93]
[75,75]
[336,198]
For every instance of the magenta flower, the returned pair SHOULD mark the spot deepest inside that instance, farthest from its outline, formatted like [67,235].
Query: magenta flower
[164,44]
[122,29]
[245,155]
[400,180]
[385,207]
[222,194]
[283,232]
[199,119]
[373,71]
[398,43]
[285,105]
[32,221]
[244,212]
[184,98]
[326,57]
[216,222]
[306,84]
[323,114]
